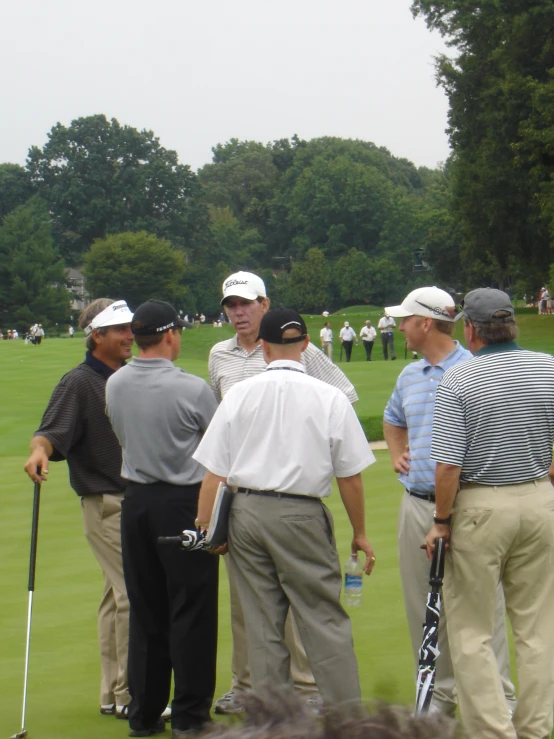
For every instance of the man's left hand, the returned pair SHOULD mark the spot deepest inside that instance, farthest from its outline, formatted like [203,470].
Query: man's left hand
[361,543]
[439,531]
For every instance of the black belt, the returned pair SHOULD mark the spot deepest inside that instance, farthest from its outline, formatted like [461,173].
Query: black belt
[424,496]
[275,494]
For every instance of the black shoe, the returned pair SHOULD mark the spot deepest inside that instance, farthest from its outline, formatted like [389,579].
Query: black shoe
[158,728]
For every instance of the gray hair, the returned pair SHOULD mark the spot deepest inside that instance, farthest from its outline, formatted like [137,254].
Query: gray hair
[88,314]
[495,332]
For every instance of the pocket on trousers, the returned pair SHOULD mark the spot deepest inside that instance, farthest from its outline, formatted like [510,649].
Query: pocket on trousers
[470,520]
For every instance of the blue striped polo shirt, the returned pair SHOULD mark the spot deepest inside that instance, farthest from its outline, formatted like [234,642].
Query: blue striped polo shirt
[412,406]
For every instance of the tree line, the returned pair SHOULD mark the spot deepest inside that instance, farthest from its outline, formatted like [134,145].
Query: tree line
[327,222]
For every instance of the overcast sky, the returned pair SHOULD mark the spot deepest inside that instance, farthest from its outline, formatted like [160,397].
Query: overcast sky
[199,73]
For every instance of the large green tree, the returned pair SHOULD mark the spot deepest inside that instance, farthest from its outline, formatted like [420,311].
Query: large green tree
[32,278]
[99,177]
[309,280]
[500,89]
[15,188]
[136,267]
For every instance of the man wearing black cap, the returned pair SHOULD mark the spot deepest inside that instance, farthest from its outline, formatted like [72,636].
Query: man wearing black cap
[159,414]
[279,438]
[495,507]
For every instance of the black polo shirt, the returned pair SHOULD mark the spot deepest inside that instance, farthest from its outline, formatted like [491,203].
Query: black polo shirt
[76,425]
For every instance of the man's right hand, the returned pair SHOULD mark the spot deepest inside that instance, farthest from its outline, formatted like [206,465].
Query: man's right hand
[402,463]
[37,461]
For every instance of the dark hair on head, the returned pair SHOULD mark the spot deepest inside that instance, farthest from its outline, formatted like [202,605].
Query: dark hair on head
[444,327]
[494,332]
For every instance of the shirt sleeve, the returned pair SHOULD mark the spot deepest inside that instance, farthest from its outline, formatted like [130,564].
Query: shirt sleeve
[62,422]
[213,452]
[320,366]
[214,384]
[394,411]
[350,450]
[449,433]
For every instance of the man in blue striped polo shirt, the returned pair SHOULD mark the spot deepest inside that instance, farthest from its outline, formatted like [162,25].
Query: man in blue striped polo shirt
[427,323]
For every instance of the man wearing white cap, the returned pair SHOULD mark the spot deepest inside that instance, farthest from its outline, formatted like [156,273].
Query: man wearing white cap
[75,427]
[347,337]
[245,301]
[427,322]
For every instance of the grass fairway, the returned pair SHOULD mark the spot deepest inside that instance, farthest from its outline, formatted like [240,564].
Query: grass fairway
[64,666]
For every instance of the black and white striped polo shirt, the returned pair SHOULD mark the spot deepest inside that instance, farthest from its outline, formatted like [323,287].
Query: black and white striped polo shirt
[494,416]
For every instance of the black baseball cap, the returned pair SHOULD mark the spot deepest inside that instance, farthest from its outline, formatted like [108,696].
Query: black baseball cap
[156,317]
[276,322]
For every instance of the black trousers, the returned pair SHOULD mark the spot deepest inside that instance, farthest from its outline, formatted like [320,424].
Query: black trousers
[368,346]
[348,349]
[173,597]
[387,340]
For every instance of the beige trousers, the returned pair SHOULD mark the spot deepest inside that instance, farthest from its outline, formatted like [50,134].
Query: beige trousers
[283,556]
[328,349]
[299,666]
[414,521]
[502,534]
[102,522]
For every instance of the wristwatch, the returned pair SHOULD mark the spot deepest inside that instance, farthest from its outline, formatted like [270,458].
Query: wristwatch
[442,521]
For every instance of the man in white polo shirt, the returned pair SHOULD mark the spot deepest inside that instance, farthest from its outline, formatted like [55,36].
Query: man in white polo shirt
[386,326]
[281,541]
[245,301]
[368,335]
[326,338]
[347,337]
[495,508]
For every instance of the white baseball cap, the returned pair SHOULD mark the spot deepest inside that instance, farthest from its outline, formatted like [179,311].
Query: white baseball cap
[115,314]
[429,302]
[243,285]
[346,324]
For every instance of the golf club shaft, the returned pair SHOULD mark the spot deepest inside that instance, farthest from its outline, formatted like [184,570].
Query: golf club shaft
[27,652]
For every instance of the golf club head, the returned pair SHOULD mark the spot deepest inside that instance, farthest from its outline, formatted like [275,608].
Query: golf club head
[20,734]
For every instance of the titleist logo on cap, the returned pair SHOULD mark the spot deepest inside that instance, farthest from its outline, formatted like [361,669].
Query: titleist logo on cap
[232,283]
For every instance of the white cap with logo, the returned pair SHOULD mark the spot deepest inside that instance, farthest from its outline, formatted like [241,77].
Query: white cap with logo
[243,285]
[429,302]
[116,314]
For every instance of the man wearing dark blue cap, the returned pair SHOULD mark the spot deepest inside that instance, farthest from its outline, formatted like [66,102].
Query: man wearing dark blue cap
[279,438]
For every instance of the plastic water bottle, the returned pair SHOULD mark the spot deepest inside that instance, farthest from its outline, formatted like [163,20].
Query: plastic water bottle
[353,573]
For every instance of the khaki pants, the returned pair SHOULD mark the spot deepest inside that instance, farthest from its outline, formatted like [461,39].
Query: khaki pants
[328,349]
[283,556]
[414,521]
[502,534]
[299,666]
[102,522]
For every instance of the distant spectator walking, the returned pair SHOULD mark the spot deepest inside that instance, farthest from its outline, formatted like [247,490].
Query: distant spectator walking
[386,326]
[347,337]
[71,332]
[39,334]
[368,335]
[326,338]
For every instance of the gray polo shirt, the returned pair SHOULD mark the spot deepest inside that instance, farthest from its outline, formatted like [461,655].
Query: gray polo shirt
[159,414]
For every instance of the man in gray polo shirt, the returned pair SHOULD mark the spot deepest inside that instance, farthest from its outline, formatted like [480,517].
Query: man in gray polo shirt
[159,414]
[493,434]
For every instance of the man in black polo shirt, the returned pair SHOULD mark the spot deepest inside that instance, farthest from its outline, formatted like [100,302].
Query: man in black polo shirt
[75,427]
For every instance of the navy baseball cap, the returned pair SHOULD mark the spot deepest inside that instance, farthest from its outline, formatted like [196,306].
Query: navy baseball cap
[276,322]
[156,317]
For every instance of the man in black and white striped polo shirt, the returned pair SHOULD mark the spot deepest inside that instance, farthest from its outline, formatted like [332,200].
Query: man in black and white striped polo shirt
[492,439]
[245,301]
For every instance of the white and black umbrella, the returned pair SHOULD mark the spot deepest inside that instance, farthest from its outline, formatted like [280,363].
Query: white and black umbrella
[429,650]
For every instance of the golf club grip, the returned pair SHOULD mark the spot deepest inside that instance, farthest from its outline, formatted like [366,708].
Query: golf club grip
[170,540]
[34,535]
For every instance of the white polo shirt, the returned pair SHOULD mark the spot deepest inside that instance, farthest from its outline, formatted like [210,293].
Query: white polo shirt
[347,333]
[286,431]
[386,324]
[368,333]
[326,334]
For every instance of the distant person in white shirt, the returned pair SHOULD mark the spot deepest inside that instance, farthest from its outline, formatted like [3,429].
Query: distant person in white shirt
[347,337]
[386,326]
[281,542]
[326,338]
[368,335]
